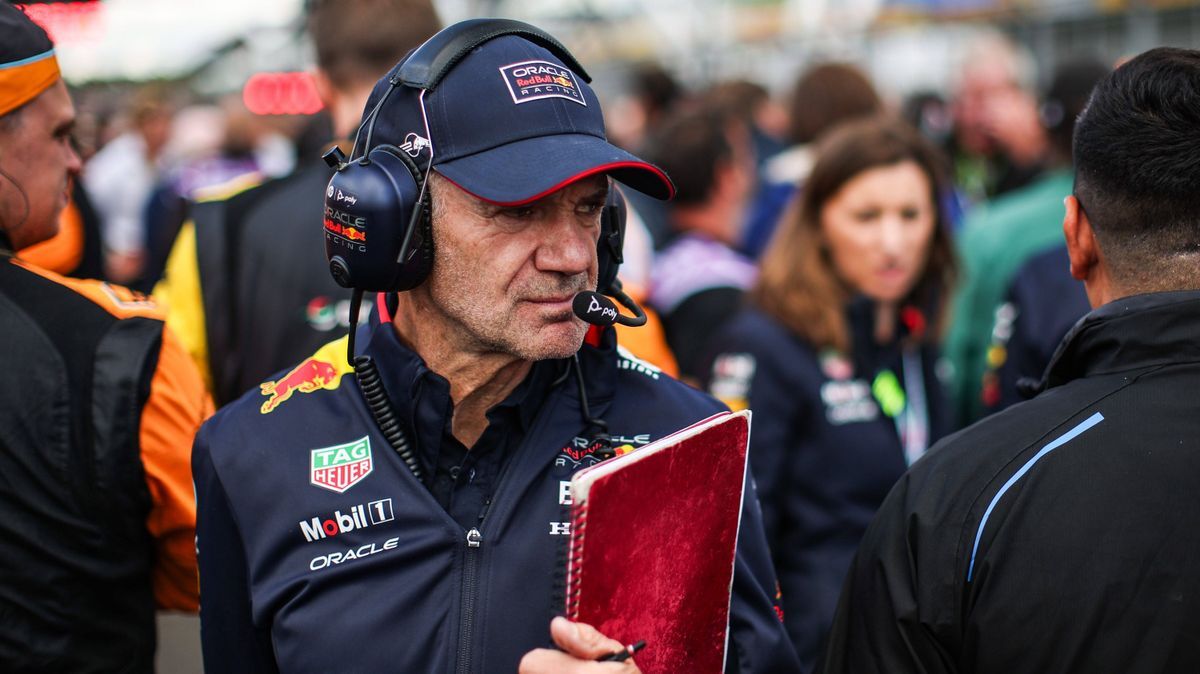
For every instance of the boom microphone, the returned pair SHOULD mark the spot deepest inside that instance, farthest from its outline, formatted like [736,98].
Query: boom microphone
[595,308]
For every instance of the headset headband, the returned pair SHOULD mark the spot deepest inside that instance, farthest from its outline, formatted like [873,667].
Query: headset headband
[440,53]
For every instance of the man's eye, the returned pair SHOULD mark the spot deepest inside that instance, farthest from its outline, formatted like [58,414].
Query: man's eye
[591,209]
[521,213]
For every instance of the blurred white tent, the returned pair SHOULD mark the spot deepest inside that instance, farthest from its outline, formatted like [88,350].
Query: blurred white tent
[148,39]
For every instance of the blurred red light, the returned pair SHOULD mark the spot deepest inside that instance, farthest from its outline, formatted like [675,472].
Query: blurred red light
[66,22]
[281,94]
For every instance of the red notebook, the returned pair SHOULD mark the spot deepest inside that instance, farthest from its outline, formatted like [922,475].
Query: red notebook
[653,538]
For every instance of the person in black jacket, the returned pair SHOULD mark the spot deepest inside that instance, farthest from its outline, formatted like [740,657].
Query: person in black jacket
[247,285]
[835,356]
[1060,534]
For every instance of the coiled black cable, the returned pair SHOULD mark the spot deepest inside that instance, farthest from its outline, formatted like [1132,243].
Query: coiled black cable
[371,386]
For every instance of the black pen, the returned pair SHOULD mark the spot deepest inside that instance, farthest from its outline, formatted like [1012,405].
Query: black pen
[623,654]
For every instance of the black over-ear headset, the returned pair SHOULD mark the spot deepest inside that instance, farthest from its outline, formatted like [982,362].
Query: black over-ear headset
[383,189]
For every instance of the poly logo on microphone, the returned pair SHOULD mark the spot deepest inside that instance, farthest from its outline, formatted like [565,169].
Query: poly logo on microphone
[606,312]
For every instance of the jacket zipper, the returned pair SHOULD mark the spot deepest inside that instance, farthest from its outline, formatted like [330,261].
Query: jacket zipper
[470,587]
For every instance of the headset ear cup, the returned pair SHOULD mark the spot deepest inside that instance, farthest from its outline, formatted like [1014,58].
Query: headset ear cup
[368,206]
[414,213]
[611,245]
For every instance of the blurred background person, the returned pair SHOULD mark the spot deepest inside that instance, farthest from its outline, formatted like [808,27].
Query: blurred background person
[824,96]
[1042,304]
[836,354]
[998,237]
[762,115]
[247,284]
[651,95]
[999,143]
[214,150]
[698,279]
[98,408]
[120,178]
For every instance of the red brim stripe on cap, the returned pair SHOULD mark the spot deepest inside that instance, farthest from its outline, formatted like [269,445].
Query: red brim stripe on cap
[23,81]
[603,168]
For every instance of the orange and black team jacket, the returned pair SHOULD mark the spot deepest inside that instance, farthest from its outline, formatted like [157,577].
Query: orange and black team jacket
[99,404]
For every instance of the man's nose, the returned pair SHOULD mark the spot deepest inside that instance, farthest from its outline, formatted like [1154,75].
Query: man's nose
[568,248]
[74,161]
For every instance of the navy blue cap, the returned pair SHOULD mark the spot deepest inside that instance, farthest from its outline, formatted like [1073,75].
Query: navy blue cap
[510,123]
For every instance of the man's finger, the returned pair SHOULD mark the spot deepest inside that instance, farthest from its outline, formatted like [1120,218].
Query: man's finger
[581,639]
[548,661]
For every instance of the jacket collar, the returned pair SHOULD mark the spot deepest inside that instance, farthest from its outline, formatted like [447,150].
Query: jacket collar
[1129,333]
[418,393]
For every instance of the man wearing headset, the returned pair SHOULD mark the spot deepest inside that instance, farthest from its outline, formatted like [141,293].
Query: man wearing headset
[98,406]
[407,513]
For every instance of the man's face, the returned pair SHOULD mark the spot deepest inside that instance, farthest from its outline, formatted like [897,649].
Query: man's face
[505,276]
[39,164]
[984,89]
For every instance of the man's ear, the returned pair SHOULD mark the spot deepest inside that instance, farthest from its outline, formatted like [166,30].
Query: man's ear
[1081,240]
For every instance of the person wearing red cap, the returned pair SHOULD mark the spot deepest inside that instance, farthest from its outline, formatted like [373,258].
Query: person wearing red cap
[408,512]
[98,406]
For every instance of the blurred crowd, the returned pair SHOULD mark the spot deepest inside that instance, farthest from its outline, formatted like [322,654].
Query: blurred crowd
[868,275]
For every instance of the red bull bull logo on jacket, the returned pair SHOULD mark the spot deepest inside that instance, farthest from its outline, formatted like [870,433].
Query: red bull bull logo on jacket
[340,467]
[323,371]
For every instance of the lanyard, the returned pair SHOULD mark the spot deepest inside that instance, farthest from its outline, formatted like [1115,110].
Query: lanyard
[913,424]
[908,407]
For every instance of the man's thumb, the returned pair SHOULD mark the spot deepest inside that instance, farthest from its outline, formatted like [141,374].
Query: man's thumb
[580,639]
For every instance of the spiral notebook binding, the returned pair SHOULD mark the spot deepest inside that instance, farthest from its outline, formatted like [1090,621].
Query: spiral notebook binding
[575,558]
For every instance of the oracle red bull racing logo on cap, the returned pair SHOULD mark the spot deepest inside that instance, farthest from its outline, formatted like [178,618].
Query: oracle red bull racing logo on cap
[534,80]
[340,467]
[311,375]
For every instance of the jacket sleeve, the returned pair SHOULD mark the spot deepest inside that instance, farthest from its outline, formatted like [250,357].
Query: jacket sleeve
[229,639]
[759,643]
[743,376]
[179,292]
[883,622]
[972,307]
[173,412]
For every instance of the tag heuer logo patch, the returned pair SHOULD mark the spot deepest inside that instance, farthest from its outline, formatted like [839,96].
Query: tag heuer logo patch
[533,80]
[340,467]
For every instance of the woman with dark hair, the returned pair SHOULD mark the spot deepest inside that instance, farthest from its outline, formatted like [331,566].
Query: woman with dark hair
[836,355]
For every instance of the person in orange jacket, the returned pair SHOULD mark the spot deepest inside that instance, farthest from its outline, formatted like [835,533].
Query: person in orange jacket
[98,407]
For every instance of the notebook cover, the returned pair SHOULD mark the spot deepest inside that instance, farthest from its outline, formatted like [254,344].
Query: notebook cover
[653,541]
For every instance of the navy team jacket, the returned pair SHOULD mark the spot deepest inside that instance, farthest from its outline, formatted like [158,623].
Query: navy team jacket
[321,552]
[823,452]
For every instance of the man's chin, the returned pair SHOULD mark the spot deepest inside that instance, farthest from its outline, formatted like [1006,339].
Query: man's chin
[556,340]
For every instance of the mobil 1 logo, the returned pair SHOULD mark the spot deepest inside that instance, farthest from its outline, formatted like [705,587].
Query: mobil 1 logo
[353,518]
